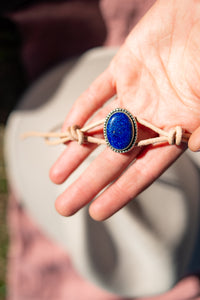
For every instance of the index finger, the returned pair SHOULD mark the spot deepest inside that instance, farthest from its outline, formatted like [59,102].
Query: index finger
[101,90]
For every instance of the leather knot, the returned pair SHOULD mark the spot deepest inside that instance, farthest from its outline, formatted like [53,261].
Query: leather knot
[175,136]
[75,134]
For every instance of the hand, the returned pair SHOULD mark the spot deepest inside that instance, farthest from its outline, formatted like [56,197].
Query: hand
[155,76]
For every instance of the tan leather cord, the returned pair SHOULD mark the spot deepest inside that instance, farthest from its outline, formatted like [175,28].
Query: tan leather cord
[74,133]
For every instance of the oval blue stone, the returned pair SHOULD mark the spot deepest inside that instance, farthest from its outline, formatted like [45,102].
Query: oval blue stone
[119,131]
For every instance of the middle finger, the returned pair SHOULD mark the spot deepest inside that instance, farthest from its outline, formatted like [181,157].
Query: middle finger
[102,171]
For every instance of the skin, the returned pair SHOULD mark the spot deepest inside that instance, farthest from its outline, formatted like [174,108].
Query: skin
[194,141]
[155,75]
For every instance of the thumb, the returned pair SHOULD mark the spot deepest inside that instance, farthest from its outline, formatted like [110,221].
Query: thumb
[194,141]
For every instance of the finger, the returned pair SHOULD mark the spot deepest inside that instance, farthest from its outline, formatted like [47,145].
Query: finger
[75,154]
[194,141]
[102,89]
[136,178]
[68,161]
[103,170]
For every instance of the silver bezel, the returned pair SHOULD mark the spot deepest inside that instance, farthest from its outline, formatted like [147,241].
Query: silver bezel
[135,128]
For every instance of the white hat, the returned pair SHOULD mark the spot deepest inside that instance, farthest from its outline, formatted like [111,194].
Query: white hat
[142,250]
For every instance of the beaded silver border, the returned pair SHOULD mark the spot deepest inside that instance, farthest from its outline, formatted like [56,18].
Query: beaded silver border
[135,128]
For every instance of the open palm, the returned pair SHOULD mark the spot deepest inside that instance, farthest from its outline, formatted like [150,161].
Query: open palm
[155,76]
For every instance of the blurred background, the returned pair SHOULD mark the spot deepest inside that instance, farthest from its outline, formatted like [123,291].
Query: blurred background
[25,54]
[34,37]
[12,84]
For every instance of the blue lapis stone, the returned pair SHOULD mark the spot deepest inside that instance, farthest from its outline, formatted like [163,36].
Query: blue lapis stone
[120,130]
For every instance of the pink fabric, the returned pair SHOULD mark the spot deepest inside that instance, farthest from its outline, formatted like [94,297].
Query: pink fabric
[39,269]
